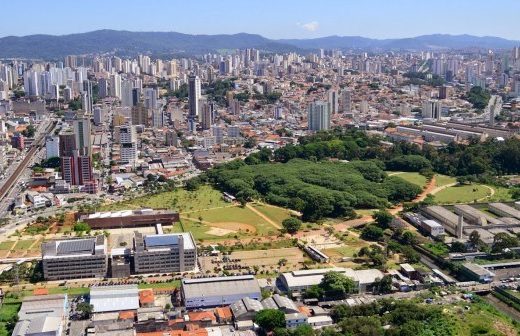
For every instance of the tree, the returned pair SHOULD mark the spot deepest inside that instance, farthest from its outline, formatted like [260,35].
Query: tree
[362,326]
[85,308]
[292,224]
[384,285]
[503,240]
[336,285]
[410,254]
[372,232]
[409,238]
[81,227]
[314,292]
[383,219]
[474,238]
[458,247]
[193,184]
[270,319]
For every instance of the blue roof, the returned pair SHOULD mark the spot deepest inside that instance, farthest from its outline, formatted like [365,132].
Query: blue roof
[161,240]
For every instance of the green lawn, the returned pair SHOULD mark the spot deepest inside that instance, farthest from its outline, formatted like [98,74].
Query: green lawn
[441,180]
[199,231]
[160,285]
[8,312]
[439,249]
[181,200]
[24,244]
[366,212]
[6,245]
[276,214]
[501,195]
[414,178]
[461,194]
[234,215]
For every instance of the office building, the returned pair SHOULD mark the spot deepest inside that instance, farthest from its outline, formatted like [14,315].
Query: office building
[139,115]
[175,252]
[75,258]
[52,146]
[82,132]
[318,117]
[18,141]
[99,115]
[115,86]
[194,95]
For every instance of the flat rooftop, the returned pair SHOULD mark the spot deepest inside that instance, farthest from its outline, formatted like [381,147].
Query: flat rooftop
[220,286]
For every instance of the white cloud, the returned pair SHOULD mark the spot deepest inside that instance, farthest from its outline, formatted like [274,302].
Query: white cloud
[310,26]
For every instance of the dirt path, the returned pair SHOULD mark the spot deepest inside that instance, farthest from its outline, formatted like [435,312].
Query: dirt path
[441,188]
[491,193]
[201,210]
[264,217]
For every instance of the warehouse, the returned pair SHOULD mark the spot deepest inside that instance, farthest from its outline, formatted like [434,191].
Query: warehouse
[114,298]
[75,258]
[42,315]
[448,219]
[160,253]
[219,291]
[299,281]
[478,273]
[476,216]
[431,227]
[504,210]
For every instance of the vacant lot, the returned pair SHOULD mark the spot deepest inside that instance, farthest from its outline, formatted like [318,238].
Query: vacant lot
[6,245]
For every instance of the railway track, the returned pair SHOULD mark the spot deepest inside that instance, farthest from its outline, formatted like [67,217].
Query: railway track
[37,145]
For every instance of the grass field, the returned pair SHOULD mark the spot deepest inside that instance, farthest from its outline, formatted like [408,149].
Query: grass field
[414,178]
[24,244]
[6,245]
[8,312]
[442,180]
[276,214]
[161,285]
[184,201]
[462,194]
[501,194]
[234,215]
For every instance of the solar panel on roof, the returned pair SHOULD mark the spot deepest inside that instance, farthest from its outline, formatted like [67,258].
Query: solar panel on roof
[71,246]
[161,240]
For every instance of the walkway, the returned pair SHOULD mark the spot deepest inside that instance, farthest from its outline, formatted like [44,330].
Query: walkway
[264,217]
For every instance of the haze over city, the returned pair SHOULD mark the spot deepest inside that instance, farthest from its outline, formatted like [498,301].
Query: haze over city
[265,168]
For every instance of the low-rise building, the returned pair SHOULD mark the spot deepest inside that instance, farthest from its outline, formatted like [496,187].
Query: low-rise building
[219,291]
[114,298]
[129,218]
[42,315]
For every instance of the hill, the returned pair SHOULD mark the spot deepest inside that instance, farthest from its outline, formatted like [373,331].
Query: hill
[173,43]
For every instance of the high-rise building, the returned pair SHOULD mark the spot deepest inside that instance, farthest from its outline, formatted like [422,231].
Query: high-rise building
[318,116]
[115,86]
[158,119]
[82,131]
[333,101]
[139,115]
[432,109]
[127,88]
[52,146]
[346,101]
[99,115]
[18,141]
[218,133]
[103,88]
[170,138]
[126,136]
[194,95]
[67,143]
[150,98]
[206,114]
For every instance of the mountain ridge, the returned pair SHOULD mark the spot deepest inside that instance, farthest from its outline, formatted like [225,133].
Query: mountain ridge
[126,42]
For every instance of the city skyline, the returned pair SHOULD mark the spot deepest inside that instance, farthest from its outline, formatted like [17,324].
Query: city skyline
[290,19]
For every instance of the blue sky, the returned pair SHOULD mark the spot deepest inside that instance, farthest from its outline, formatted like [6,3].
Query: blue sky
[270,18]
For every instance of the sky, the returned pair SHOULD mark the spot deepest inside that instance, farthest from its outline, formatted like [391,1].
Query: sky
[270,18]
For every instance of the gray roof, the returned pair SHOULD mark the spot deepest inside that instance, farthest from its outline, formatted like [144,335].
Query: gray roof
[280,302]
[38,325]
[244,306]
[114,298]
[220,286]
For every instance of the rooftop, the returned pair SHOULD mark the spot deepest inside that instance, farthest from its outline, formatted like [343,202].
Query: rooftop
[114,298]
[220,286]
